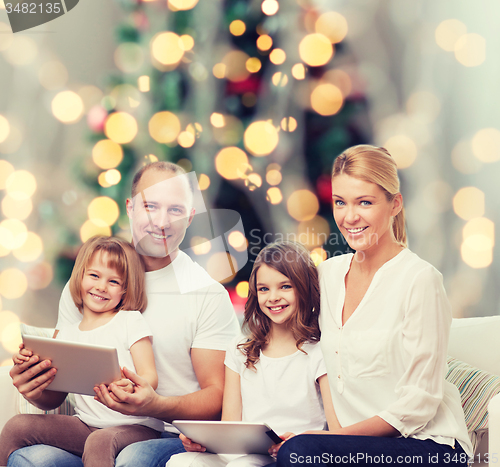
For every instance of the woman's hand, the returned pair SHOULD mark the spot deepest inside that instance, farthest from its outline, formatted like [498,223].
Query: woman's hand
[124,384]
[273,450]
[189,446]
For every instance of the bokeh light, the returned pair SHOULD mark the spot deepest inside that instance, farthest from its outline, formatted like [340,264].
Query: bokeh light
[6,169]
[476,255]
[479,230]
[4,128]
[237,27]
[107,154]
[10,331]
[187,42]
[318,255]
[13,283]
[20,184]
[299,71]
[164,127]
[253,181]
[277,56]
[326,99]
[143,83]
[101,179]
[303,205]
[203,182]
[261,138]
[166,48]
[182,4]
[120,127]
[288,124]
[279,79]
[273,177]
[270,7]
[463,159]
[16,208]
[231,163]
[242,289]
[332,25]
[274,195]
[237,240]
[200,245]
[315,49]
[112,177]
[403,149]
[186,139]
[30,250]
[22,51]
[222,267]
[340,79]
[313,232]
[486,145]
[103,211]
[468,203]
[217,120]
[236,69]
[253,65]
[219,70]
[448,32]
[89,229]
[13,233]
[470,50]
[264,42]
[424,106]
[67,107]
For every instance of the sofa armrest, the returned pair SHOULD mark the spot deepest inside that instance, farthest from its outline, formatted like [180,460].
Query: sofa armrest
[7,396]
[494,430]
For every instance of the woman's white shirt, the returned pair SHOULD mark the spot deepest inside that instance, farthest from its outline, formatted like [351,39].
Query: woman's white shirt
[389,358]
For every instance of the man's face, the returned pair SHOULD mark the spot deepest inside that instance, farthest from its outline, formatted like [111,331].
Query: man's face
[160,213]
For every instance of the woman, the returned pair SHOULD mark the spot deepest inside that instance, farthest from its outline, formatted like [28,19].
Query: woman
[385,323]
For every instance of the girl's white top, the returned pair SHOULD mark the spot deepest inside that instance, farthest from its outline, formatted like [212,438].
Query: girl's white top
[282,392]
[389,358]
[121,332]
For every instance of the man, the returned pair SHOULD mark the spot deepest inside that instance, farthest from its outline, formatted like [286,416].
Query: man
[190,330]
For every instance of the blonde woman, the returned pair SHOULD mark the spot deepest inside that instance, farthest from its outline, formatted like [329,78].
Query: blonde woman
[385,323]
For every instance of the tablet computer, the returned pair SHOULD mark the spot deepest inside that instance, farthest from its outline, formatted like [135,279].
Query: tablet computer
[229,437]
[80,367]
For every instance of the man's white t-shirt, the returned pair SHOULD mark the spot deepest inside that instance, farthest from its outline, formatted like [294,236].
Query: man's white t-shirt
[121,332]
[201,319]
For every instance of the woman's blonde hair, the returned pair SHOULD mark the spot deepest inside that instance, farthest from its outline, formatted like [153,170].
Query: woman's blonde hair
[374,165]
[122,257]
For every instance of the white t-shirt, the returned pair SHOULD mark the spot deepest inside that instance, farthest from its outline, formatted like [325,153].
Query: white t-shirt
[202,319]
[121,332]
[389,358]
[283,392]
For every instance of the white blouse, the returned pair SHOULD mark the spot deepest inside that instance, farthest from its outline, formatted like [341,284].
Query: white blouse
[389,358]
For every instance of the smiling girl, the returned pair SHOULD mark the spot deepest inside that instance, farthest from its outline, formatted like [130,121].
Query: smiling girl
[275,374]
[107,281]
[385,322]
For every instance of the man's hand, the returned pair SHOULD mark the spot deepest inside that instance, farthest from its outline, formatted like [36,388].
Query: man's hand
[273,450]
[30,376]
[189,446]
[140,402]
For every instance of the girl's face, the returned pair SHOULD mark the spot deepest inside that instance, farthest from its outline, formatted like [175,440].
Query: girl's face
[102,287]
[362,212]
[275,294]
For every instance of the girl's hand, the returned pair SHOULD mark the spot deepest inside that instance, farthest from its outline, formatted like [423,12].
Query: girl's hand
[273,450]
[23,355]
[125,385]
[189,446]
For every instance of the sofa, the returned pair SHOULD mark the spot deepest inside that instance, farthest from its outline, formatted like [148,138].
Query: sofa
[474,367]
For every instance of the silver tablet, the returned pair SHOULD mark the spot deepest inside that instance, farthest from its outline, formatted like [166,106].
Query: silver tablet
[229,437]
[80,367]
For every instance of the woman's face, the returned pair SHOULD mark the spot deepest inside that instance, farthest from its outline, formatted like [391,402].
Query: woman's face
[362,212]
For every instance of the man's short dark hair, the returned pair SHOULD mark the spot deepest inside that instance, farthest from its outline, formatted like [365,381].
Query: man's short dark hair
[160,166]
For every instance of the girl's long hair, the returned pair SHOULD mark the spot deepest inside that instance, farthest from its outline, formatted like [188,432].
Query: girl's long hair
[374,165]
[293,261]
[122,257]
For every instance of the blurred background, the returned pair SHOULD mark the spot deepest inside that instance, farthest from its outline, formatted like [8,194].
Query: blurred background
[257,97]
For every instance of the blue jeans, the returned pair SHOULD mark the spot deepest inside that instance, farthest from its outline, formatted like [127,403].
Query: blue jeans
[154,454]
[321,450]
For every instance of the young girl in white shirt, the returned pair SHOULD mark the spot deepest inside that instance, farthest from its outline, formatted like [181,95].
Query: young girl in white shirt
[276,373]
[107,281]
[385,322]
